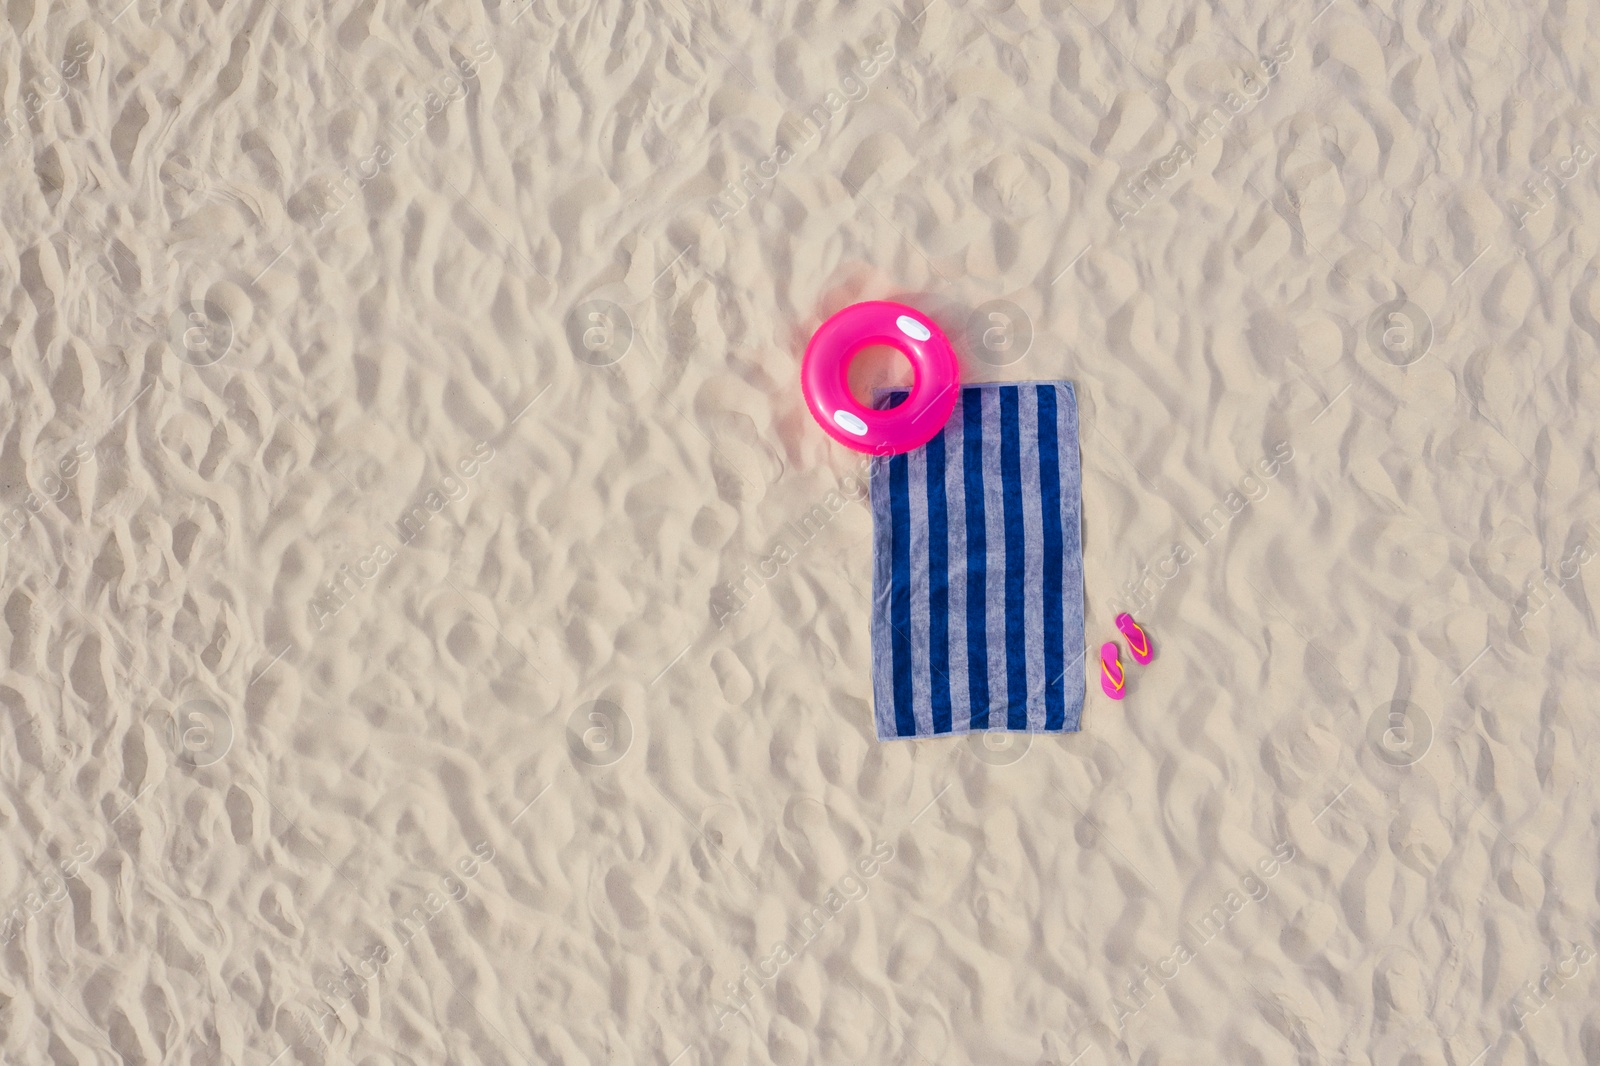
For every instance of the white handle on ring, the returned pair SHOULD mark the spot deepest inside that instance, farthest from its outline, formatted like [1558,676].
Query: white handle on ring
[849,423]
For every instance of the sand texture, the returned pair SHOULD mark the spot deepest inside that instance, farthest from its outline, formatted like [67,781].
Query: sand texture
[411,654]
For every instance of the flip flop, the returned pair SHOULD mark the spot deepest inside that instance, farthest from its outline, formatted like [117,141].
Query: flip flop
[1138,640]
[1111,679]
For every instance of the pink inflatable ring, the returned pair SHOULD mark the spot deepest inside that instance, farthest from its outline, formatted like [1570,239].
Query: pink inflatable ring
[936,385]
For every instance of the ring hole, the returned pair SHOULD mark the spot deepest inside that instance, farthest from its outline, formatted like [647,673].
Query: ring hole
[877,366]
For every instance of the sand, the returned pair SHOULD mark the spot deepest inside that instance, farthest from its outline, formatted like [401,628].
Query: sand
[396,397]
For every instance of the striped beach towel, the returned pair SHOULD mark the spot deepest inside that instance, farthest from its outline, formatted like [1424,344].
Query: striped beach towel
[977,569]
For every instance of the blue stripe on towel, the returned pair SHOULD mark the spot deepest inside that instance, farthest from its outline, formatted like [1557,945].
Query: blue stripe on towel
[1011,489]
[977,559]
[938,589]
[1055,707]
[947,641]
[900,593]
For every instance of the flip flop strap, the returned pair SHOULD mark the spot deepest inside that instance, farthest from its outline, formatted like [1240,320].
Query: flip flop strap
[1106,669]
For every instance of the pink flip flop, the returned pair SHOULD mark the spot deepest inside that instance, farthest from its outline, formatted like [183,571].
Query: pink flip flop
[1138,640]
[1111,679]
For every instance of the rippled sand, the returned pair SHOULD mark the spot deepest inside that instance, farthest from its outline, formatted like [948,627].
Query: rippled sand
[397,397]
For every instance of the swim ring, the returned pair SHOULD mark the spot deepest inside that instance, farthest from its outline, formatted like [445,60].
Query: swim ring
[935,386]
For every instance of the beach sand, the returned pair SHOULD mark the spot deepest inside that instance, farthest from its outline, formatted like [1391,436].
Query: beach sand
[410,655]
